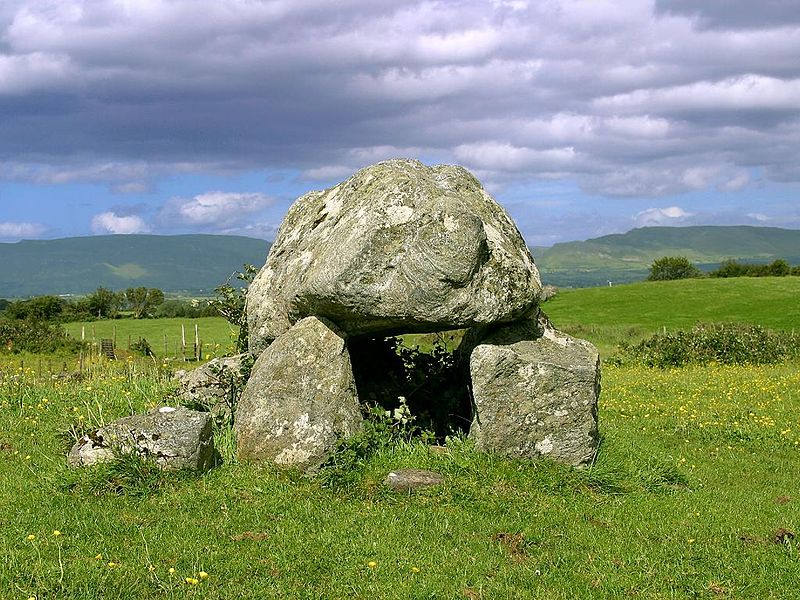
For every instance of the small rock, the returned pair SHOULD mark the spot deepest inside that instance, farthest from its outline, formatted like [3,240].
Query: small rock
[406,480]
[210,387]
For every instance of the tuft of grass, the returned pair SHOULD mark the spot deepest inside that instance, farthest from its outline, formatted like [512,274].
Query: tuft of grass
[129,474]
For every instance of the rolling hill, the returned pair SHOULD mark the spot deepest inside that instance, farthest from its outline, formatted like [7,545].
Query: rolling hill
[627,257]
[189,264]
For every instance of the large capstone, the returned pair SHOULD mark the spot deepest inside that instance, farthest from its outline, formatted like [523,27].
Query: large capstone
[300,398]
[535,391]
[397,248]
[175,437]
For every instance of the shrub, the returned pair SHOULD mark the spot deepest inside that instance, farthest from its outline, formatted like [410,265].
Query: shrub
[777,268]
[728,343]
[185,309]
[142,346]
[230,304]
[672,267]
[382,429]
[40,308]
[35,336]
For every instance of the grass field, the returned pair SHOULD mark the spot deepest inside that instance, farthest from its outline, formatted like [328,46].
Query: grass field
[694,495]
[610,315]
[216,334]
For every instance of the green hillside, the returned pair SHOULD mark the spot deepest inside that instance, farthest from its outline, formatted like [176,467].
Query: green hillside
[627,257]
[610,315]
[191,264]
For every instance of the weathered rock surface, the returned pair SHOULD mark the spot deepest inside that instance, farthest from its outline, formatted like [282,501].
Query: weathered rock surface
[212,385]
[398,247]
[178,438]
[407,480]
[300,398]
[549,292]
[535,391]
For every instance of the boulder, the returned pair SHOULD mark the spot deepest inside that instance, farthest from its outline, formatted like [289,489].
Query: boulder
[399,247]
[300,398]
[535,393]
[177,438]
[213,386]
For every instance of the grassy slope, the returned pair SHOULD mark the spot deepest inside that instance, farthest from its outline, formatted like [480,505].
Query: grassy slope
[608,315]
[695,476]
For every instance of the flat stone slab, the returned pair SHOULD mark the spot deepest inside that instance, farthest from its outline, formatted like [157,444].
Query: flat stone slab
[407,480]
[177,438]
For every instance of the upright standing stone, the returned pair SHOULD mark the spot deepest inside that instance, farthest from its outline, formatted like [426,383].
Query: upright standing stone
[535,391]
[300,398]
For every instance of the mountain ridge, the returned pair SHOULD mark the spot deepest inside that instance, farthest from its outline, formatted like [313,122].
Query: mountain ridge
[625,257]
[192,264]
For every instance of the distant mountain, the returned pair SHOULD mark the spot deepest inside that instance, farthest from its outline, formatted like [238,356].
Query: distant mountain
[196,264]
[627,257]
[190,264]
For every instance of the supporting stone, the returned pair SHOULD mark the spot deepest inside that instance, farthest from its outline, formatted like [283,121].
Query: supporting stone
[300,398]
[535,391]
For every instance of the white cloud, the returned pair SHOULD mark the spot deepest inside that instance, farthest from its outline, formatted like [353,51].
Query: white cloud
[759,217]
[737,181]
[26,73]
[671,215]
[218,210]
[10,230]
[110,222]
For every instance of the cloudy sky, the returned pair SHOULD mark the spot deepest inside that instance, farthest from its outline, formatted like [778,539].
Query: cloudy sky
[582,117]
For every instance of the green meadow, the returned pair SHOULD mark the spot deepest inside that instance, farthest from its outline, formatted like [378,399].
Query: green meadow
[608,316]
[165,336]
[693,495]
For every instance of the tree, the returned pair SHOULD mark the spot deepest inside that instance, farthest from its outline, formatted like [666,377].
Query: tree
[103,303]
[672,267]
[779,268]
[729,268]
[142,300]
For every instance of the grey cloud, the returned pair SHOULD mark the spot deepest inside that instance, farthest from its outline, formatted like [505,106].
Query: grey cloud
[738,14]
[624,98]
